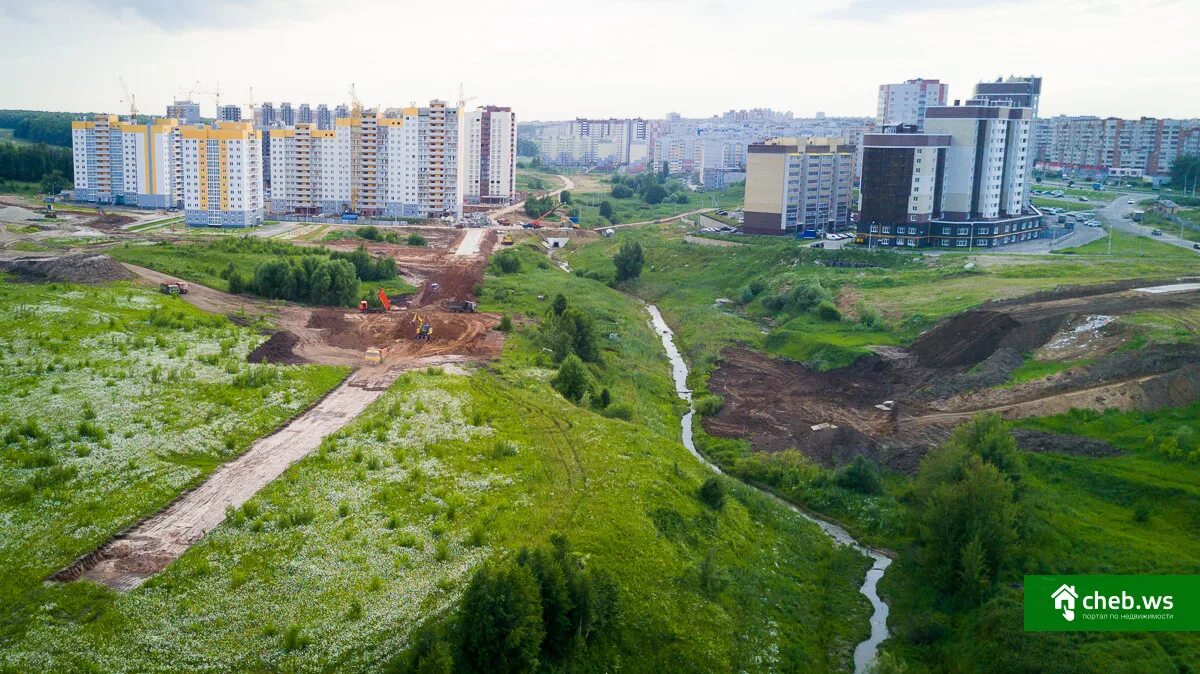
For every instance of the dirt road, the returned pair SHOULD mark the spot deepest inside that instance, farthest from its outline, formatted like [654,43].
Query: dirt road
[147,548]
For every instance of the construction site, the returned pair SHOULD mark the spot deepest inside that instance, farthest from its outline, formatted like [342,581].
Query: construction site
[895,404]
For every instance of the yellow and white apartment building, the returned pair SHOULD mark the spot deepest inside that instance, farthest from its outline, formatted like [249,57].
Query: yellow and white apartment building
[222,175]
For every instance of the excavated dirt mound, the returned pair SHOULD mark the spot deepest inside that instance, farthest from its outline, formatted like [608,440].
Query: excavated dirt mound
[277,349]
[1061,443]
[894,405]
[79,268]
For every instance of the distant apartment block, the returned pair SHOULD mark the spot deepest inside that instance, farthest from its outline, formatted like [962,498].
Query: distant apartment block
[1018,92]
[129,164]
[962,183]
[489,155]
[229,113]
[595,142]
[222,175]
[798,184]
[212,173]
[187,112]
[1101,147]
[906,102]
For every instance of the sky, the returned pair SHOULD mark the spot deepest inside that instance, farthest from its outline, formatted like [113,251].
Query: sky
[619,58]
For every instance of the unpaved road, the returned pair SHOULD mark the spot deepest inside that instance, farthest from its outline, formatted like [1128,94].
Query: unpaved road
[469,245]
[129,559]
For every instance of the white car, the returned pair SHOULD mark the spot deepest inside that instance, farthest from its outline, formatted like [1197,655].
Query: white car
[1130,202]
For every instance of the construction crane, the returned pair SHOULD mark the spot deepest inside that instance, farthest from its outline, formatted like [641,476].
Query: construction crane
[356,112]
[463,101]
[216,94]
[250,103]
[130,100]
[191,92]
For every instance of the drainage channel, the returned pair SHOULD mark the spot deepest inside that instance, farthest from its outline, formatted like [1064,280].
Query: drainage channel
[866,650]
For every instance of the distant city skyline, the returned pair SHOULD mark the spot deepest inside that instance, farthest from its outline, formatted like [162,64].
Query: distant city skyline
[555,62]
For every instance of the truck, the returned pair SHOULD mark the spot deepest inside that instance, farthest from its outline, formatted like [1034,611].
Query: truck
[1097,186]
[465,307]
[173,288]
[1137,215]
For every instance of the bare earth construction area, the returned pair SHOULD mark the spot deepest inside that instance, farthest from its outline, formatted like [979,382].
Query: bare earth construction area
[893,405]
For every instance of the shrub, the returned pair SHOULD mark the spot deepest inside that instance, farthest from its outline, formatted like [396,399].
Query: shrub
[712,493]
[807,295]
[629,260]
[621,192]
[572,379]
[828,311]
[859,475]
[415,239]
[622,411]
[501,626]
[869,317]
[508,262]
[505,324]
[709,405]
[294,640]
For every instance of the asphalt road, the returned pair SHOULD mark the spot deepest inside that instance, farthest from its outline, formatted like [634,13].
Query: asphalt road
[1112,215]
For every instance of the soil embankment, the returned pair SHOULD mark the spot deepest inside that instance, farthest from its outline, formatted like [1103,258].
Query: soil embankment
[893,406]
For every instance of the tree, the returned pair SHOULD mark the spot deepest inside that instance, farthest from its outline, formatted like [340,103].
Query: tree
[606,210]
[559,304]
[556,600]
[655,194]
[665,173]
[1185,172]
[629,260]
[54,182]
[572,378]
[860,475]
[564,197]
[508,262]
[621,192]
[501,624]
[526,148]
[988,437]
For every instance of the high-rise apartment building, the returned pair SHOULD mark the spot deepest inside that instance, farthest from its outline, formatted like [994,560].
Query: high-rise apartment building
[222,175]
[187,112]
[1018,92]
[962,183]
[596,142]
[324,117]
[489,155]
[404,163]
[905,103]
[304,114]
[266,115]
[124,163]
[798,184]
[229,113]
[287,114]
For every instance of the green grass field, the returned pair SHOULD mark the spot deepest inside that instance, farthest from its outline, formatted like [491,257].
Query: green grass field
[362,542]
[1129,245]
[130,399]
[1069,204]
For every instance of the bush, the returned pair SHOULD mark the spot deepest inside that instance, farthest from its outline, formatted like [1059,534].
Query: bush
[869,317]
[501,626]
[859,475]
[712,493]
[808,295]
[709,405]
[828,311]
[606,210]
[508,262]
[621,192]
[629,261]
[415,239]
[505,324]
[572,379]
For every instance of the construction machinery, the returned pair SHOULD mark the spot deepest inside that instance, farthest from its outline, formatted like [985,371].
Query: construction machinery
[465,307]
[506,240]
[424,329]
[173,288]
[374,356]
[384,301]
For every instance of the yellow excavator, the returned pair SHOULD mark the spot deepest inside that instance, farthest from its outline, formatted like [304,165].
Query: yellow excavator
[424,329]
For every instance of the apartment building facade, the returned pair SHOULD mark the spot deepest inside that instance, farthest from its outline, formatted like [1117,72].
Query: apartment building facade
[402,163]
[222,175]
[798,184]
[906,102]
[963,183]
[489,155]
[128,164]
[596,142]
[187,112]
[1101,147]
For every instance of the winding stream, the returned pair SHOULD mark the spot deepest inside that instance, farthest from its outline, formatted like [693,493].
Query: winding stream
[865,651]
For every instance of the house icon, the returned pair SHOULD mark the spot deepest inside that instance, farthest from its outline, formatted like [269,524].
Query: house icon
[1064,600]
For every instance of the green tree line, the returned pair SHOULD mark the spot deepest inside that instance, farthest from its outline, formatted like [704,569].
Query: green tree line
[31,163]
[52,128]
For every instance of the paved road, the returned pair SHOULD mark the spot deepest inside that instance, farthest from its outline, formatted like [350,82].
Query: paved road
[1112,216]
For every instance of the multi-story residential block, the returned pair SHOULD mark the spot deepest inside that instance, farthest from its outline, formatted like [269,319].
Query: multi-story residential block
[324,117]
[287,114]
[489,155]
[962,183]
[798,184]
[304,114]
[905,103]
[229,113]
[402,163]
[595,142]
[1098,148]
[187,112]
[266,115]
[222,175]
[1017,92]
[117,162]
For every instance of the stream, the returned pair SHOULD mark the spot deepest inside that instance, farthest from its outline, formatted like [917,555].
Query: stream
[865,651]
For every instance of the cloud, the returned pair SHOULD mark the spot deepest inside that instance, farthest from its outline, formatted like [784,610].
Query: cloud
[869,10]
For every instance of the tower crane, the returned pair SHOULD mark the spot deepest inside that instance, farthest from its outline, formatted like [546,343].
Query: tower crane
[463,101]
[250,103]
[129,99]
[216,94]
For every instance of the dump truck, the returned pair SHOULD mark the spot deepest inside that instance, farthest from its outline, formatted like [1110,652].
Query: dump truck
[465,307]
[386,304]
[173,288]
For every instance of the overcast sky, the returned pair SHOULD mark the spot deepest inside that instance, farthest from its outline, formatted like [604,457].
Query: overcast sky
[611,58]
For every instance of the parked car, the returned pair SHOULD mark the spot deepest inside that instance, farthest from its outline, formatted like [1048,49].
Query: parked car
[1157,232]
[1196,246]
[1084,199]
[1130,202]
[819,244]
